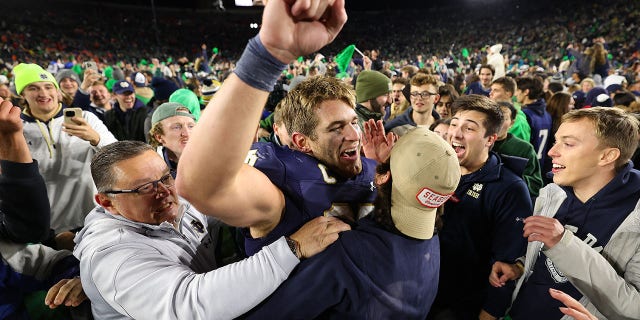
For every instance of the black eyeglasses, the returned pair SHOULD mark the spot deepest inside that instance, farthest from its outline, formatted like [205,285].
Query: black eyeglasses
[149,187]
[423,95]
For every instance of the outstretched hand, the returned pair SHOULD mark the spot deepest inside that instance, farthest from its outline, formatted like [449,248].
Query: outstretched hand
[317,234]
[573,308]
[375,143]
[293,28]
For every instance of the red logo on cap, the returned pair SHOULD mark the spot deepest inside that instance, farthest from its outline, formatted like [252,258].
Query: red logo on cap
[431,199]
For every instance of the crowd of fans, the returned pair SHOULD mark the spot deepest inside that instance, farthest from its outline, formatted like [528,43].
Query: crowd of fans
[127,73]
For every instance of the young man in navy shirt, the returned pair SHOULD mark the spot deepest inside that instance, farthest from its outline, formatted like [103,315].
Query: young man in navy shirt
[584,234]
[481,220]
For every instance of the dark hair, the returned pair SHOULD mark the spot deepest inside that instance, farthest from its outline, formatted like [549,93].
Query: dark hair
[507,83]
[509,106]
[446,121]
[473,102]
[104,160]
[487,66]
[533,84]
[555,87]
[557,106]
[448,90]
[623,99]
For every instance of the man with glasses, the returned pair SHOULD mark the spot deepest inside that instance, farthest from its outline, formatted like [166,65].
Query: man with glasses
[424,96]
[147,254]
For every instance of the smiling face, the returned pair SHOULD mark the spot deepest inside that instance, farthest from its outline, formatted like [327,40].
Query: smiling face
[42,98]
[68,86]
[153,208]
[485,77]
[577,154]
[100,96]
[467,137]
[126,100]
[337,138]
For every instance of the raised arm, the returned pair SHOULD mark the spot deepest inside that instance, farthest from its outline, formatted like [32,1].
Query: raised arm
[24,206]
[211,173]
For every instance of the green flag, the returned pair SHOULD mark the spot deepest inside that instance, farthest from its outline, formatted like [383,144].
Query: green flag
[465,52]
[344,58]
[300,59]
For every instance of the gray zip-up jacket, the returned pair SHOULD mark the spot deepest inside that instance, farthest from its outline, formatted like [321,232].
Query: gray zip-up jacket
[133,270]
[64,162]
[609,281]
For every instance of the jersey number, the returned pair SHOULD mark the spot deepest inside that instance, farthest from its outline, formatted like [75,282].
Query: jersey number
[543,134]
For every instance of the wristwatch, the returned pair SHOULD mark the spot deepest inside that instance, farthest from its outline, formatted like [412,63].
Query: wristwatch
[294,246]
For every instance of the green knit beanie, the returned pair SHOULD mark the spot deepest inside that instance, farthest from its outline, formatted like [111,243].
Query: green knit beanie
[371,84]
[28,73]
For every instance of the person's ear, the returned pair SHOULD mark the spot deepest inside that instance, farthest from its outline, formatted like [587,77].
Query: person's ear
[491,140]
[159,138]
[301,142]
[106,202]
[382,178]
[609,156]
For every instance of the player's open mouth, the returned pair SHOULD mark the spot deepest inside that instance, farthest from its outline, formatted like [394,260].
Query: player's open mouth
[349,154]
[557,167]
[458,148]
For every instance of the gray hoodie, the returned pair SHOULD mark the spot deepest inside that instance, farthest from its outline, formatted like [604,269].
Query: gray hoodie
[142,271]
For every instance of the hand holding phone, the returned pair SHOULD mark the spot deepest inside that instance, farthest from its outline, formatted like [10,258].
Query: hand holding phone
[90,65]
[70,113]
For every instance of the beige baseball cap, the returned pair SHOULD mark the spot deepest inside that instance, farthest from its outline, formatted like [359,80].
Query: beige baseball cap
[425,173]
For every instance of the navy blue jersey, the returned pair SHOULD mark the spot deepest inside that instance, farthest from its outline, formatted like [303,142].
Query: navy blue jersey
[594,222]
[310,190]
[369,273]
[540,122]
[479,228]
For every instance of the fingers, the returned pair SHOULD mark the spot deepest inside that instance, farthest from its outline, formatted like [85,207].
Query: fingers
[494,276]
[336,17]
[67,291]
[573,308]
[53,292]
[335,225]
[317,234]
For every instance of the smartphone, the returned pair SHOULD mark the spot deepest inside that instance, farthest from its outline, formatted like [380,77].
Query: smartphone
[70,113]
[90,65]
